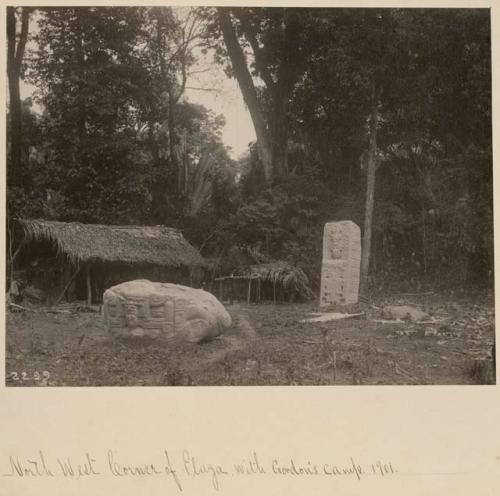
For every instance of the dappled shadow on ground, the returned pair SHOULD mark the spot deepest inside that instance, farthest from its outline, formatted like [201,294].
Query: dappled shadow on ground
[267,345]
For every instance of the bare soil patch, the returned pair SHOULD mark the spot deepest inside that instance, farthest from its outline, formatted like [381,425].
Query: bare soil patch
[267,345]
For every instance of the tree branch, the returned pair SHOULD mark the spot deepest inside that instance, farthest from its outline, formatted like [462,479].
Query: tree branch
[25,18]
[202,89]
[248,90]
[251,36]
[11,38]
[176,98]
[199,71]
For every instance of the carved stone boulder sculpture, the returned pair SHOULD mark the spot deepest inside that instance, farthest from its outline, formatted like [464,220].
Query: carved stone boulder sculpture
[145,308]
[341,263]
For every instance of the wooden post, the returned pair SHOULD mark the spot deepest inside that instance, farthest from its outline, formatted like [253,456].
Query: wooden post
[67,286]
[370,197]
[274,292]
[232,290]
[249,289]
[220,289]
[173,315]
[258,290]
[13,257]
[89,285]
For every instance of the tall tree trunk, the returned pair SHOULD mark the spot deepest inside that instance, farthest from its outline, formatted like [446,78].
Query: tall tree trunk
[15,128]
[201,185]
[15,53]
[157,181]
[280,135]
[172,101]
[370,199]
[281,93]
[248,90]
[173,143]
[81,107]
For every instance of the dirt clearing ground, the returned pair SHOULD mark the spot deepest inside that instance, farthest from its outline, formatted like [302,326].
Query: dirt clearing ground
[267,345]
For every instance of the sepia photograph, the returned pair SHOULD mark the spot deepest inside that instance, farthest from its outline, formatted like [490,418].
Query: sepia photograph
[248,196]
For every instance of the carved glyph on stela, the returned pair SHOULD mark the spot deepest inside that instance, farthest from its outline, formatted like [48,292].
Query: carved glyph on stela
[341,263]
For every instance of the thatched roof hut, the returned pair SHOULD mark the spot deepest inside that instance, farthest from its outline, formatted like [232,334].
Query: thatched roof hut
[278,275]
[107,253]
[278,272]
[142,245]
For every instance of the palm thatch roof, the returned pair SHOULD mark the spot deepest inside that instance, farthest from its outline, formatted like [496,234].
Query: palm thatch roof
[141,245]
[278,272]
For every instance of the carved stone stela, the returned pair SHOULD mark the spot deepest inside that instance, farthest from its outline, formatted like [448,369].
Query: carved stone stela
[341,263]
[144,308]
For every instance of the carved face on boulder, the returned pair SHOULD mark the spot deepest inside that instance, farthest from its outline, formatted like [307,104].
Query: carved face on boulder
[131,315]
[143,308]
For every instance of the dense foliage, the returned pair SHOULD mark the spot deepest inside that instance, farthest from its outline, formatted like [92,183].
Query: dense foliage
[115,142]
[426,75]
[112,137]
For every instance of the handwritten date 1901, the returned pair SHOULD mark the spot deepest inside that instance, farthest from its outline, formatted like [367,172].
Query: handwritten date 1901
[383,469]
